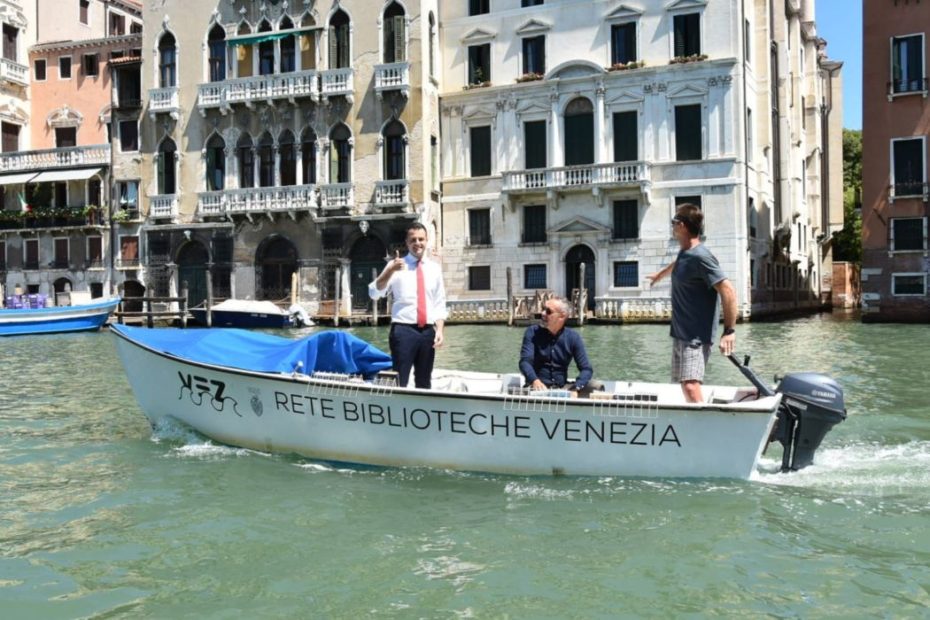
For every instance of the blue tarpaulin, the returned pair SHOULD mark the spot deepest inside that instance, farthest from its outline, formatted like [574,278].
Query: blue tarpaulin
[329,351]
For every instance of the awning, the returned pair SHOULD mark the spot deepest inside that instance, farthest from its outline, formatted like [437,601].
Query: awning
[50,176]
[16,179]
[262,37]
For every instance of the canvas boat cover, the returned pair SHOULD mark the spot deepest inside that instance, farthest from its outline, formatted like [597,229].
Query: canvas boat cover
[328,351]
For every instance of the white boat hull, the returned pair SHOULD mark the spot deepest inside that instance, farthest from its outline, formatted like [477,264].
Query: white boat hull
[645,430]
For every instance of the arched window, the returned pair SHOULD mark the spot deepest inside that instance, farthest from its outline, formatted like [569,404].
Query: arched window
[288,47]
[432,44]
[288,158]
[340,154]
[579,132]
[308,156]
[246,157]
[394,37]
[307,43]
[339,41]
[265,52]
[167,175]
[394,151]
[216,163]
[216,44]
[244,53]
[167,61]
[265,161]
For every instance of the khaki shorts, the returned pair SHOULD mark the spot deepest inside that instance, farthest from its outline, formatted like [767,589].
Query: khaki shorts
[689,360]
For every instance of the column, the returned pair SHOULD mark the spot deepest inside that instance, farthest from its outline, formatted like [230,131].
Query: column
[556,157]
[599,123]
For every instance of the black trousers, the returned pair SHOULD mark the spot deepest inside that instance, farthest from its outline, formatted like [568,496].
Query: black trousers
[412,347]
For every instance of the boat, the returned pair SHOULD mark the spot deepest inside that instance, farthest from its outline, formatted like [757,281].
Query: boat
[331,397]
[81,317]
[246,313]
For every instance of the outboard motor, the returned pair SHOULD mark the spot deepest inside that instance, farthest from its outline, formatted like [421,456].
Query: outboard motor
[811,405]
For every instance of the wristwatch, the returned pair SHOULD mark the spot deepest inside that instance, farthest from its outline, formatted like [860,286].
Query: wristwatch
[728,330]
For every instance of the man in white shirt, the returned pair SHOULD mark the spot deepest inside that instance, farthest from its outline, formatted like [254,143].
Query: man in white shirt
[419,311]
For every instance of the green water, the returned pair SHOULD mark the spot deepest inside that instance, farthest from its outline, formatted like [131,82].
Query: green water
[98,518]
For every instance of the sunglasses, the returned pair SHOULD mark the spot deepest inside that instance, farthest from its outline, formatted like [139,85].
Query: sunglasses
[549,311]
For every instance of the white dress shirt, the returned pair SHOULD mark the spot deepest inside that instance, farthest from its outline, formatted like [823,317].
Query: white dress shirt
[403,286]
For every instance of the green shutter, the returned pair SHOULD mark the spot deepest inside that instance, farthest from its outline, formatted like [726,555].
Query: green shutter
[333,49]
[399,47]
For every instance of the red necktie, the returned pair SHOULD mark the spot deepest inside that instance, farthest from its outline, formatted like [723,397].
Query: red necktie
[421,296]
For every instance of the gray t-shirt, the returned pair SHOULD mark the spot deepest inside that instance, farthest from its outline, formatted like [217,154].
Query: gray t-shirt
[694,298]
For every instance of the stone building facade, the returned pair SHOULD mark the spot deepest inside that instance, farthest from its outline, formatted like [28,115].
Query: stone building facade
[285,138]
[571,130]
[895,263]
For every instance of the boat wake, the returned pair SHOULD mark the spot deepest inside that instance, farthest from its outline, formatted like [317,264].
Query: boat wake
[194,445]
[867,468]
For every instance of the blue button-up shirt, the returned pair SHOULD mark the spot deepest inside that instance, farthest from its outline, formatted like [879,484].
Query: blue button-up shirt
[546,357]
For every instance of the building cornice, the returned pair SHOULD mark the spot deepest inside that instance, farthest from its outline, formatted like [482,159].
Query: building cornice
[134,40]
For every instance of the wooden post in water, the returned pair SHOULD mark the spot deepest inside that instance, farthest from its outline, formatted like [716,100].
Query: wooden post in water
[149,320]
[209,295]
[580,309]
[374,302]
[119,315]
[338,295]
[183,305]
[509,297]
[294,288]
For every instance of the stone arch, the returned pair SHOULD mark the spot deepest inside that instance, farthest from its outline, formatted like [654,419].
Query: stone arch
[275,262]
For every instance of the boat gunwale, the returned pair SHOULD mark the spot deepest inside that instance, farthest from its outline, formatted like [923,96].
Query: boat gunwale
[100,305]
[378,389]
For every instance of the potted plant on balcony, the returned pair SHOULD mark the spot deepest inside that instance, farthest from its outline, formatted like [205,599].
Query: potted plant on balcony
[679,60]
[530,77]
[10,219]
[477,80]
[625,66]
[91,215]
[120,215]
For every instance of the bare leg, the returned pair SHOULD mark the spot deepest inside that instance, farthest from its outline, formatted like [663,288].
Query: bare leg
[692,391]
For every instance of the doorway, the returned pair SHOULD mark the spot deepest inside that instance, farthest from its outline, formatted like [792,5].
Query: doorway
[578,255]
[367,257]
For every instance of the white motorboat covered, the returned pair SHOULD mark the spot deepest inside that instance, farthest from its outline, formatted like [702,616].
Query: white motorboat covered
[326,397]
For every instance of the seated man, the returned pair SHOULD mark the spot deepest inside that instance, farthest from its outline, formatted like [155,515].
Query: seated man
[549,347]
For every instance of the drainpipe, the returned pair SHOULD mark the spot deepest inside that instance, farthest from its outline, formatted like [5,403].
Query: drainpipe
[826,110]
[746,129]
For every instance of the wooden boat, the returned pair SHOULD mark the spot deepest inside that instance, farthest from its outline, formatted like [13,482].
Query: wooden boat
[83,317]
[326,397]
[251,314]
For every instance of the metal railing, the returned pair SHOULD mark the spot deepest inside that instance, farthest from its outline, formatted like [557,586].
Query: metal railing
[393,76]
[67,157]
[163,206]
[909,189]
[337,82]
[337,195]
[12,71]
[259,88]
[626,173]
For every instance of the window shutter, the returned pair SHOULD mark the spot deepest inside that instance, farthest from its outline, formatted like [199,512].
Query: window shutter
[160,171]
[626,138]
[399,36]
[679,36]
[333,49]
[914,63]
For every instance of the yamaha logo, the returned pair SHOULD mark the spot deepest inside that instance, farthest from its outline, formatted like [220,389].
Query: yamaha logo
[829,395]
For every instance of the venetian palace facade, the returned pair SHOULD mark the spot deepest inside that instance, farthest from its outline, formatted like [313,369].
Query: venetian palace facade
[895,267]
[252,141]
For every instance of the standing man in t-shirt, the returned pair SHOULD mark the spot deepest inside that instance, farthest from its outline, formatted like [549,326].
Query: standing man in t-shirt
[419,310]
[696,281]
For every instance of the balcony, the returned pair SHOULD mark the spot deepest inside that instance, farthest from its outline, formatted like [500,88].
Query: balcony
[249,90]
[73,156]
[11,71]
[593,177]
[909,189]
[392,193]
[164,101]
[338,83]
[257,201]
[913,86]
[163,206]
[394,76]
[337,196]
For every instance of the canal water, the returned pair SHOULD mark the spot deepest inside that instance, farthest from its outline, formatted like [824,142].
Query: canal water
[100,519]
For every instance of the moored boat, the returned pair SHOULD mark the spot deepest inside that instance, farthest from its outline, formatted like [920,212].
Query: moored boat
[327,397]
[82,317]
[251,314]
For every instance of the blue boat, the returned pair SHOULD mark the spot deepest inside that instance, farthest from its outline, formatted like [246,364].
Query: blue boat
[85,317]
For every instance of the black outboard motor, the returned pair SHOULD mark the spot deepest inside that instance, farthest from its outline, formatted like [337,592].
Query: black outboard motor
[811,405]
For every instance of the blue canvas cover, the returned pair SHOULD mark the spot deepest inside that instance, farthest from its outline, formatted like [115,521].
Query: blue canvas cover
[328,351]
